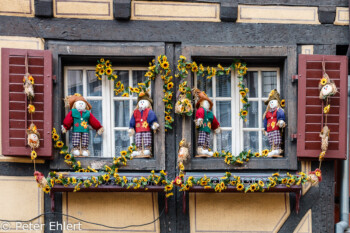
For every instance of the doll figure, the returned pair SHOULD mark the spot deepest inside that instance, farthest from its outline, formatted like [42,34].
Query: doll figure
[33,138]
[80,117]
[205,122]
[141,123]
[274,120]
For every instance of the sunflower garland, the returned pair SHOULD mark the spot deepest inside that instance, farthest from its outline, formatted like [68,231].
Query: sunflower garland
[104,69]
[185,66]
[242,157]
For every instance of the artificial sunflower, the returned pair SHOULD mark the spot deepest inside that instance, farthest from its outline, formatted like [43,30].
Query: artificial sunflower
[321,156]
[31,79]
[55,137]
[31,108]
[276,174]
[102,60]
[108,63]
[253,187]
[145,124]
[169,106]
[265,152]
[284,180]
[59,144]
[125,94]
[323,81]
[68,156]
[117,85]
[181,166]
[244,113]
[164,65]
[105,177]
[261,183]
[47,189]
[240,187]
[101,72]
[169,194]
[243,93]
[109,71]
[33,154]
[84,124]
[326,109]
[283,103]
[136,90]
[257,154]
[168,118]
[188,66]
[170,85]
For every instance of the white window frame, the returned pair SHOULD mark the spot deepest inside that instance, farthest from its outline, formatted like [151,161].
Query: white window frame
[237,130]
[107,98]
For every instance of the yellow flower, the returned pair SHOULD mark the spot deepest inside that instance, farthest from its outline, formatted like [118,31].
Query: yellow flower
[31,79]
[322,154]
[59,144]
[323,81]
[145,124]
[33,154]
[170,85]
[276,174]
[168,118]
[169,106]
[243,93]
[101,72]
[55,137]
[106,177]
[102,60]
[136,90]
[109,71]
[164,65]
[46,189]
[240,187]
[181,166]
[265,152]
[326,109]
[84,124]
[257,154]
[284,180]
[188,66]
[183,57]
[169,194]
[194,67]
[283,103]
[125,94]
[261,183]
[237,65]
[31,108]
[68,156]
[244,112]
[220,67]
[253,187]
[108,63]
[117,85]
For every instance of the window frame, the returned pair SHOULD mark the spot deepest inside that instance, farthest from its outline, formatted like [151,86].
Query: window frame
[286,56]
[124,53]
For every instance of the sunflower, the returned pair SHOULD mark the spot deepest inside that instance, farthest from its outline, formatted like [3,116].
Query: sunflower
[31,108]
[220,67]
[102,60]
[253,187]
[31,79]
[194,68]
[59,144]
[326,109]
[265,152]
[182,57]
[283,103]
[284,180]
[108,63]
[109,71]
[105,177]
[243,101]
[261,183]
[168,118]
[170,85]
[169,106]
[68,156]
[188,66]
[321,157]
[117,85]
[136,90]
[237,65]
[47,189]
[318,172]
[244,112]
[181,166]
[33,154]
[276,174]
[52,182]
[257,154]
[55,137]
[145,124]
[240,187]
[243,93]
[164,65]
[149,74]
[84,124]
[323,81]
[101,72]
[125,94]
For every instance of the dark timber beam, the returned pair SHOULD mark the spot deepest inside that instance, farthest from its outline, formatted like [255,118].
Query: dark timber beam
[122,9]
[43,8]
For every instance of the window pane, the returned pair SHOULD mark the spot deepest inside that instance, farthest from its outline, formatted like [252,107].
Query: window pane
[265,142]
[75,82]
[205,85]
[122,141]
[224,141]
[121,113]
[138,76]
[95,145]
[269,82]
[251,81]
[253,117]
[251,140]
[223,85]
[94,86]
[223,113]
[123,77]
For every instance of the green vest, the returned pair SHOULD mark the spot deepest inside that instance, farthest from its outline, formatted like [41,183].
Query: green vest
[78,127]
[208,119]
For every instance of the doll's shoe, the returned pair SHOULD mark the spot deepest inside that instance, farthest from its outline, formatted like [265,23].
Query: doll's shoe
[135,154]
[202,152]
[85,153]
[76,152]
[143,154]
[274,154]
[210,153]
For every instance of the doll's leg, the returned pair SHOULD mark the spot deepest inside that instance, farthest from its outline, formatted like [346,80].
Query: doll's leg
[147,142]
[201,139]
[275,142]
[207,145]
[76,137]
[85,144]
[138,142]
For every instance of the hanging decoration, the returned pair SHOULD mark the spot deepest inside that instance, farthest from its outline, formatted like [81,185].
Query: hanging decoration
[79,119]
[183,154]
[185,66]
[104,70]
[274,123]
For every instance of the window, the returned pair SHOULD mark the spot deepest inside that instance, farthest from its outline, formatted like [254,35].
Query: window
[223,91]
[112,111]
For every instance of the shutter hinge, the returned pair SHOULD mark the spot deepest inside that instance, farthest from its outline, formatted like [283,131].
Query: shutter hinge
[295,77]
[293,137]
[54,77]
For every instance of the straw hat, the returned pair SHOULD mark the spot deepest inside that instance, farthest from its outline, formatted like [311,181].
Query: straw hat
[274,95]
[74,98]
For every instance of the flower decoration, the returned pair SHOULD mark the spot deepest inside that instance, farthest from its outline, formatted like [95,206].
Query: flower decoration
[104,69]
[283,103]
[326,109]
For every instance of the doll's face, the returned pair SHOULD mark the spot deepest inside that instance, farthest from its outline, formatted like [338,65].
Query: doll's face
[143,104]
[80,105]
[326,89]
[34,137]
[205,104]
[273,103]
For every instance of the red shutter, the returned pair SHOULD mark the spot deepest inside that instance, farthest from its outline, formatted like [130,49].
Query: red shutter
[15,117]
[310,106]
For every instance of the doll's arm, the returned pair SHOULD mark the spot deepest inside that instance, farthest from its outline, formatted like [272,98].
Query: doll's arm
[95,124]
[199,117]
[132,126]
[152,120]
[265,123]
[67,122]
[281,118]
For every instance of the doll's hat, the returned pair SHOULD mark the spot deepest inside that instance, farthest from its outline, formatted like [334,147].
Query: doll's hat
[201,96]
[70,100]
[33,130]
[274,95]
[144,96]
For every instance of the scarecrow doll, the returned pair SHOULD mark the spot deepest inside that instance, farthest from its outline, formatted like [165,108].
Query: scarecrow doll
[80,117]
[274,120]
[205,122]
[142,121]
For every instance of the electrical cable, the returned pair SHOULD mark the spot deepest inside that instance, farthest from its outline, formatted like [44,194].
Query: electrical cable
[81,220]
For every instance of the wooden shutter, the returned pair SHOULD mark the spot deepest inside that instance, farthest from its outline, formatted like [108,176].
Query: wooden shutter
[310,106]
[15,117]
